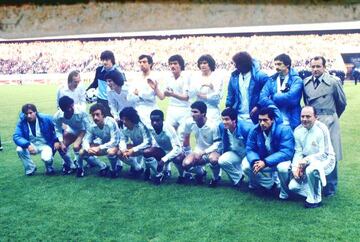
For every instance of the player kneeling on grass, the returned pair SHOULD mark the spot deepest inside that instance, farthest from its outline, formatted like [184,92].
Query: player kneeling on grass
[70,125]
[314,158]
[135,139]
[207,141]
[34,134]
[269,149]
[232,149]
[102,138]
[166,146]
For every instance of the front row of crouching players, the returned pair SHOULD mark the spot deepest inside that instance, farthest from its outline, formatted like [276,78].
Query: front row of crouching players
[275,157]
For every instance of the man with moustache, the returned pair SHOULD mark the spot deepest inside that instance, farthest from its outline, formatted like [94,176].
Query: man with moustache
[284,90]
[102,138]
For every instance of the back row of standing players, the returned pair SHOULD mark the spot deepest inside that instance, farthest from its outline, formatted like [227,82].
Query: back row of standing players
[144,140]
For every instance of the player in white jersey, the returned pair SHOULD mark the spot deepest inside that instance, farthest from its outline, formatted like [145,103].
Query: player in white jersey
[207,86]
[314,158]
[207,141]
[70,126]
[177,90]
[166,146]
[135,138]
[102,138]
[74,90]
[118,93]
[141,92]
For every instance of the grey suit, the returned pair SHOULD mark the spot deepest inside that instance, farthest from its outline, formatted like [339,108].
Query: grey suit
[329,101]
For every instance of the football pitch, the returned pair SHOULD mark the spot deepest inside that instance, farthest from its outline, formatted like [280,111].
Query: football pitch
[64,208]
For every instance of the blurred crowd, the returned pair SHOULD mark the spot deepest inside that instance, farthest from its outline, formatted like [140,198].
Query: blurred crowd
[61,57]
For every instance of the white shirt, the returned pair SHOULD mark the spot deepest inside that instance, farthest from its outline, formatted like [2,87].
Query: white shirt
[107,137]
[168,141]
[38,139]
[313,144]
[79,121]
[118,101]
[207,137]
[199,84]
[244,82]
[146,95]
[178,86]
[78,95]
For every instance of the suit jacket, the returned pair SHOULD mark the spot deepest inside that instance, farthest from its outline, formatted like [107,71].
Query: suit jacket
[329,100]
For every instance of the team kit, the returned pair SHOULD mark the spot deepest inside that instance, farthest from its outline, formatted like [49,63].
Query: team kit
[263,134]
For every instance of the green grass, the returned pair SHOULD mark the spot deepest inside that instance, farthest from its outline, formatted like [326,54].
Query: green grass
[63,208]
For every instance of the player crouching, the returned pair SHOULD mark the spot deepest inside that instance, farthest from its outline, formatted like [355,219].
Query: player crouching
[166,148]
[102,138]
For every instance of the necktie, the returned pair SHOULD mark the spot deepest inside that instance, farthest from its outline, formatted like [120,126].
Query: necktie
[316,82]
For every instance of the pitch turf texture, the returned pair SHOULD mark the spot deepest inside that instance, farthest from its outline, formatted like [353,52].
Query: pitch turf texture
[64,208]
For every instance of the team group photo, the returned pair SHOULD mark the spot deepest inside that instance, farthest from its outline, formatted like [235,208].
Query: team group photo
[173,136]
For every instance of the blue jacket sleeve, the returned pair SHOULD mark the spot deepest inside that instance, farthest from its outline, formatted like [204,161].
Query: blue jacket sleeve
[230,99]
[19,138]
[292,97]
[251,148]
[267,93]
[286,147]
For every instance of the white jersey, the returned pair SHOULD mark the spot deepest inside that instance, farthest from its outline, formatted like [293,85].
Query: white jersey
[79,121]
[78,95]
[212,87]
[168,141]
[207,137]
[139,137]
[107,136]
[118,101]
[179,86]
[145,101]
[315,145]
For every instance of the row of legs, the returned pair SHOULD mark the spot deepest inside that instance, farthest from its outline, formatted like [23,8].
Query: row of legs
[229,162]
